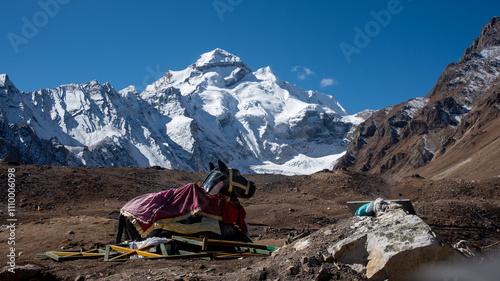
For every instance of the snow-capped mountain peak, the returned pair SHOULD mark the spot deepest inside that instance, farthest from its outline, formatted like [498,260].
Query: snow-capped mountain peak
[130,90]
[218,57]
[5,81]
[217,108]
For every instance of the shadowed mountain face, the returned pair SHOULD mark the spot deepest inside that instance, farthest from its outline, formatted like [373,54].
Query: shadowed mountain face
[453,132]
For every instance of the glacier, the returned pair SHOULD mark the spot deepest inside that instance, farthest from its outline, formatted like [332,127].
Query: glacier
[216,108]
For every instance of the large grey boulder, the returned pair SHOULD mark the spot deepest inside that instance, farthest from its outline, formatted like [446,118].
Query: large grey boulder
[390,246]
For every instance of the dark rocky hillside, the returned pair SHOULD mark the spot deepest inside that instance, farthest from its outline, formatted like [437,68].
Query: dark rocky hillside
[452,132]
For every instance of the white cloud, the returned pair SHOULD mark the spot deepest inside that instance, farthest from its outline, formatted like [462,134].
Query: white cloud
[325,82]
[308,71]
[302,72]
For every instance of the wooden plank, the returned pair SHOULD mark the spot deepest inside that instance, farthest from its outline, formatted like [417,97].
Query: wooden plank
[131,252]
[147,254]
[204,245]
[91,252]
[261,247]
[240,249]
[108,252]
[202,255]
[216,242]
[52,256]
[128,252]
[163,249]
[250,251]
[234,255]
[217,255]
[188,240]
[55,255]
[64,254]
[183,252]
[186,255]
[257,251]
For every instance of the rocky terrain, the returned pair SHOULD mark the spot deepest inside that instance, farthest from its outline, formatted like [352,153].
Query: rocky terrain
[452,132]
[74,208]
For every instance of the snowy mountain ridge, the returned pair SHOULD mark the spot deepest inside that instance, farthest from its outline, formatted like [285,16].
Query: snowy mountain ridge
[215,108]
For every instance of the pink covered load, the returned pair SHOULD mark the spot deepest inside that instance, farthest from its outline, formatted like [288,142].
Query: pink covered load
[166,209]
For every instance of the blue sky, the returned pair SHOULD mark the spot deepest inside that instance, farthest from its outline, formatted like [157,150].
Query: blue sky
[367,54]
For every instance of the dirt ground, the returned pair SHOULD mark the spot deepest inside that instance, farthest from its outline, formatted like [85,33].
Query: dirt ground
[73,208]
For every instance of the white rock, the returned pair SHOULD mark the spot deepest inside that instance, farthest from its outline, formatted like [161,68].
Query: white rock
[301,244]
[391,246]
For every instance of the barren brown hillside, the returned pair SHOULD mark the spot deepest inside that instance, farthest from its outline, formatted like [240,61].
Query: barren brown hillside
[78,208]
[451,133]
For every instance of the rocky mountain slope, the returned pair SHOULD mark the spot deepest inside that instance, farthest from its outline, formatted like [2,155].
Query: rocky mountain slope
[452,132]
[215,108]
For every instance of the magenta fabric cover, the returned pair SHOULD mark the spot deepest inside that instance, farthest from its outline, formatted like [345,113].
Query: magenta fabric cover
[174,204]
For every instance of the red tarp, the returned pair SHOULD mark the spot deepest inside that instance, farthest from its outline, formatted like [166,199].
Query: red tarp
[181,203]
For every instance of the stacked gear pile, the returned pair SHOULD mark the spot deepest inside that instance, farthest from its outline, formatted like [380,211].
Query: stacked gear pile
[168,210]
[210,208]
